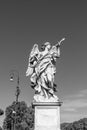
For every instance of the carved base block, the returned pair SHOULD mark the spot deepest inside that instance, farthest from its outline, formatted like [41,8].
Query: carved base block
[47,116]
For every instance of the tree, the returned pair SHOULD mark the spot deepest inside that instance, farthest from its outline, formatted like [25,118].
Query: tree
[0,128]
[77,125]
[20,116]
[29,117]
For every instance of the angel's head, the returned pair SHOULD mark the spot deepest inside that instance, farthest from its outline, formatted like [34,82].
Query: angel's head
[46,45]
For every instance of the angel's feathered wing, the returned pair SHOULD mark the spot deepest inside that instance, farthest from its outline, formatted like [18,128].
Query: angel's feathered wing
[34,51]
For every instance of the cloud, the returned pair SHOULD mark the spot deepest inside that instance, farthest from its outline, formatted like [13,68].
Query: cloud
[80,94]
[74,105]
[84,92]
[71,117]
[75,101]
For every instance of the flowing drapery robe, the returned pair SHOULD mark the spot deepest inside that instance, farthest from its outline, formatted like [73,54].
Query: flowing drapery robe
[44,70]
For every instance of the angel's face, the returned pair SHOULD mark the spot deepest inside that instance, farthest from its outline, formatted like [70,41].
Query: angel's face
[43,47]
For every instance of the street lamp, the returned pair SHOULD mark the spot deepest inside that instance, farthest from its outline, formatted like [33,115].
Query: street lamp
[13,74]
[14,118]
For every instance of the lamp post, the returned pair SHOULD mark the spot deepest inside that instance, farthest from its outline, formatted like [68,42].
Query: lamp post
[13,74]
[14,118]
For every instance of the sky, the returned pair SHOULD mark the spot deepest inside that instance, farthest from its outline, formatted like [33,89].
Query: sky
[24,23]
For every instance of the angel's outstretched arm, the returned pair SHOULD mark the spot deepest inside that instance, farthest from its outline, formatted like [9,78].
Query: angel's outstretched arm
[59,43]
[58,46]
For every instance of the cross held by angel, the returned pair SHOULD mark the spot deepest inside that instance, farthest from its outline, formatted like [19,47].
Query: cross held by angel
[42,69]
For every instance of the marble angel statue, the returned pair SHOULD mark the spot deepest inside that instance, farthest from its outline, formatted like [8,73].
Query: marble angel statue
[42,70]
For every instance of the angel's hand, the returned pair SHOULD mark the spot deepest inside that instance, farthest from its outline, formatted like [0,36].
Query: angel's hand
[59,43]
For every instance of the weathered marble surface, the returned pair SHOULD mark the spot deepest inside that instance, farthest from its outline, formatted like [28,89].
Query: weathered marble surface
[42,69]
[47,117]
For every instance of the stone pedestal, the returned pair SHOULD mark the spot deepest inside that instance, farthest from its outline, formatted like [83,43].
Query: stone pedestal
[47,116]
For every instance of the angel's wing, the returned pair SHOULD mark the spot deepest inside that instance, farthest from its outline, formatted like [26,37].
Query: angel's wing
[29,71]
[34,50]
